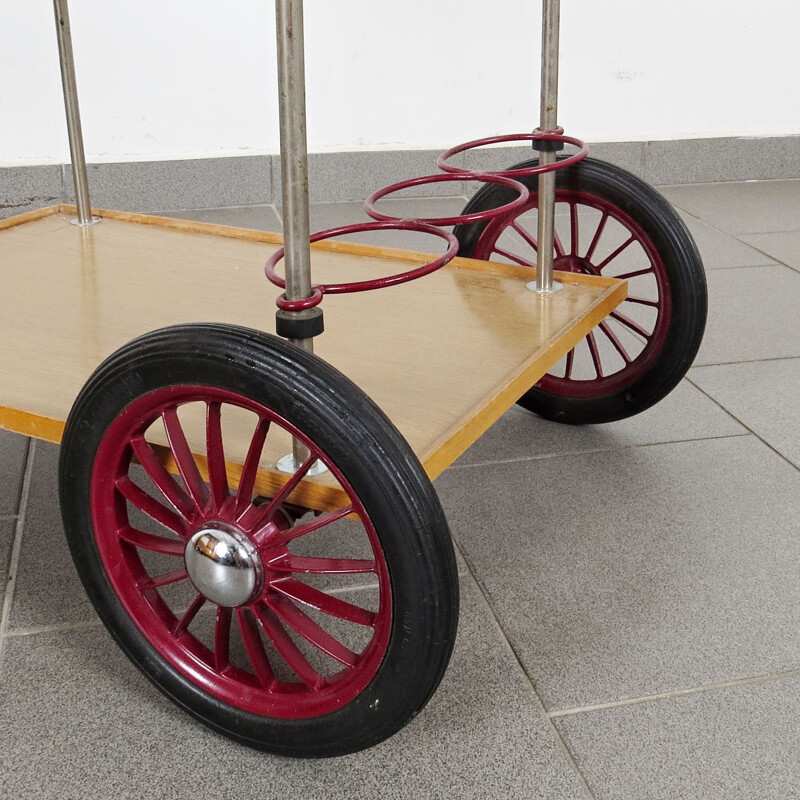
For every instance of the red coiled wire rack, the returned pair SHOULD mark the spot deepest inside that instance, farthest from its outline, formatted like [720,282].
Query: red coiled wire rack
[433,226]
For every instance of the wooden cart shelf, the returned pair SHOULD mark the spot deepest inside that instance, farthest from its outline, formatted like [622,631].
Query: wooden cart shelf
[443,356]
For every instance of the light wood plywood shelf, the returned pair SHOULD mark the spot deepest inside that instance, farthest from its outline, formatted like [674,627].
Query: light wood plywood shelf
[443,356]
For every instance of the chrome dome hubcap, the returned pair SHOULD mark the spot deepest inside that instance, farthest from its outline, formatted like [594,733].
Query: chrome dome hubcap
[224,565]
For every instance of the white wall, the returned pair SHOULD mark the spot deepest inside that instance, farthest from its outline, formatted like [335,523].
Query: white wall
[188,78]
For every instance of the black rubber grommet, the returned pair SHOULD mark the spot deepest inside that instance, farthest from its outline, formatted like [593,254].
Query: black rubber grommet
[299,325]
[547,146]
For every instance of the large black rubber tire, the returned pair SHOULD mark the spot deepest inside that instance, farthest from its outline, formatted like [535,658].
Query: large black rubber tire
[684,273]
[377,462]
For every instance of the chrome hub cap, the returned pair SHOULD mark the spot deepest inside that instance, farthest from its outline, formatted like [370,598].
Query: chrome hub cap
[223,565]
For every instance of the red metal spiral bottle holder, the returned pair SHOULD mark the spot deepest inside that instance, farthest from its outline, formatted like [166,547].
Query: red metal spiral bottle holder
[432,226]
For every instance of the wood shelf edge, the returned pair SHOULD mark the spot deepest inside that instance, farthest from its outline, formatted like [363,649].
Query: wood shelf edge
[442,453]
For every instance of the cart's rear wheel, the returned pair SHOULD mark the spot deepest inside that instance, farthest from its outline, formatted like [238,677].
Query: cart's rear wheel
[608,222]
[302,634]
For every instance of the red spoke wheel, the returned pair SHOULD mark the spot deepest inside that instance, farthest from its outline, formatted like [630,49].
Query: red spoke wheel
[301,633]
[610,223]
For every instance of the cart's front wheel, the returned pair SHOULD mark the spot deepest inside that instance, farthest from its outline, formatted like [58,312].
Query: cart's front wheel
[610,223]
[303,634]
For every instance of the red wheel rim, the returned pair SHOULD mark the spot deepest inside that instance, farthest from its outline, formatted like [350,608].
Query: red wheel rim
[280,644]
[601,239]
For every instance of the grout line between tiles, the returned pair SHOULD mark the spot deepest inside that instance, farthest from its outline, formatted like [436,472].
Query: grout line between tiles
[711,225]
[17,546]
[711,687]
[57,628]
[346,589]
[746,361]
[525,459]
[736,236]
[560,742]
[763,252]
[747,427]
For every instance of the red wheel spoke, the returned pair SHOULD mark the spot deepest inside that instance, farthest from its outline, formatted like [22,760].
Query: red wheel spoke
[570,363]
[627,321]
[592,342]
[161,479]
[147,541]
[616,253]
[167,578]
[328,604]
[184,458]
[255,647]
[604,326]
[247,482]
[191,613]
[528,237]
[642,301]
[222,638]
[286,647]
[573,219]
[322,566]
[256,517]
[518,259]
[150,506]
[302,624]
[315,524]
[597,234]
[215,453]
[559,248]
[636,274]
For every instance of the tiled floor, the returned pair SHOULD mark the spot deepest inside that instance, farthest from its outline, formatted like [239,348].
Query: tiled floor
[630,620]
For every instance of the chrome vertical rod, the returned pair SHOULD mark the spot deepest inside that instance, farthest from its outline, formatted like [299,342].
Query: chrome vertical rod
[548,117]
[294,165]
[68,82]
[294,156]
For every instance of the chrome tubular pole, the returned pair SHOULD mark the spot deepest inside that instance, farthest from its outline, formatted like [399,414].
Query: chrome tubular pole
[294,177]
[549,112]
[73,114]
[294,156]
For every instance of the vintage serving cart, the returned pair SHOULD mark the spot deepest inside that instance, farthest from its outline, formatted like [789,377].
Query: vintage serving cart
[253,518]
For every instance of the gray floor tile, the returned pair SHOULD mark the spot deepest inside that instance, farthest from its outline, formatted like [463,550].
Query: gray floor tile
[684,414]
[48,590]
[721,250]
[13,452]
[746,207]
[738,743]
[79,721]
[637,571]
[763,396]
[7,530]
[752,315]
[783,247]
[331,215]
[257,218]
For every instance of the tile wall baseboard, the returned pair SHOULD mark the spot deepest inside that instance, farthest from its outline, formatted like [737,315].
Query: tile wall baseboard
[337,177]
